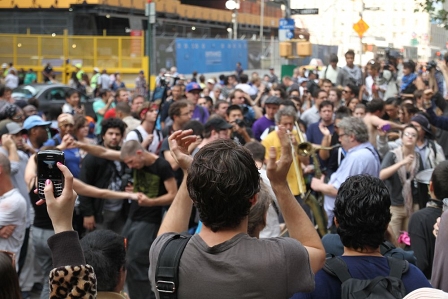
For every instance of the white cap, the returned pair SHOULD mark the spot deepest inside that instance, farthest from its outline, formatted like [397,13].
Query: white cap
[96,69]
[211,81]
[4,65]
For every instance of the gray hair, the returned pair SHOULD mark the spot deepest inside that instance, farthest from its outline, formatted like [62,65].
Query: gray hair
[5,164]
[285,111]
[355,126]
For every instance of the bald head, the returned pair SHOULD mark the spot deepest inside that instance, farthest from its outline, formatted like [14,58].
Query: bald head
[130,148]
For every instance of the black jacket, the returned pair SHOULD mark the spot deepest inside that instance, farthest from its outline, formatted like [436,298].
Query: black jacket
[96,172]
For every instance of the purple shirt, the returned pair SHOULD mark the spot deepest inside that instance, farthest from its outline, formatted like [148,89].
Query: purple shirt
[200,114]
[260,125]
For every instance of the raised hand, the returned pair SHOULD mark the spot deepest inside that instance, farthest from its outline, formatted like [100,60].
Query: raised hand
[278,170]
[60,209]
[179,142]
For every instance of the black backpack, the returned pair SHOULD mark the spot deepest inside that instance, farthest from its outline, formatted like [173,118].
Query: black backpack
[381,287]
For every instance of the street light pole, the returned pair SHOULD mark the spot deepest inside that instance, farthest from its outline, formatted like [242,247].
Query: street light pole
[262,28]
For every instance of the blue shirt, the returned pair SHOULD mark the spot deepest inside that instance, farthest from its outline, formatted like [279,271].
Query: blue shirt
[72,156]
[361,159]
[362,267]
[315,136]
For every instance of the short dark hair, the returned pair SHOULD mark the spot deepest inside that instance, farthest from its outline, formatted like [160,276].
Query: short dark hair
[112,122]
[175,108]
[232,108]
[393,101]
[362,212]
[71,92]
[316,93]
[218,103]
[79,121]
[350,52]
[117,93]
[103,92]
[342,112]
[326,103]
[196,126]
[105,251]
[375,105]
[221,181]
[327,81]
[439,178]
[244,78]
[334,58]
[289,103]
[353,88]
[257,150]
[418,94]
[123,107]
[409,65]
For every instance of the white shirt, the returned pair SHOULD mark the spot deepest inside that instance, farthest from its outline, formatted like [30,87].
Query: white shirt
[13,212]
[11,81]
[331,74]
[154,146]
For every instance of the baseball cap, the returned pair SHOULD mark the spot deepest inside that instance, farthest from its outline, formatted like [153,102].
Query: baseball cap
[78,65]
[272,100]
[271,68]
[34,121]
[217,124]
[301,80]
[96,69]
[423,122]
[211,81]
[11,128]
[65,119]
[193,86]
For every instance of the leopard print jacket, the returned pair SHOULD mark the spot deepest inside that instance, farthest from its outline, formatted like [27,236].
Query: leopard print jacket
[75,282]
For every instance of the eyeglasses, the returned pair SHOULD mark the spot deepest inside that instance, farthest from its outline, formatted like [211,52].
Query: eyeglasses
[11,255]
[407,134]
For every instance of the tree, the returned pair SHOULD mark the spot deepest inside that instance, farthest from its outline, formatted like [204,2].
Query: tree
[435,9]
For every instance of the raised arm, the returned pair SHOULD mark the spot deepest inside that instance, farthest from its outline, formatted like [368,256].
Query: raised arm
[297,221]
[87,190]
[178,215]
[95,150]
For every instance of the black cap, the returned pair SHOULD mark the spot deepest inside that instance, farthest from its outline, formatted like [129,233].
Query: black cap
[217,124]
[272,100]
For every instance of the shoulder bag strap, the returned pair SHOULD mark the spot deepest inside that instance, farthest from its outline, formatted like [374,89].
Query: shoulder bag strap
[167,272]
[337,267]
[397,267]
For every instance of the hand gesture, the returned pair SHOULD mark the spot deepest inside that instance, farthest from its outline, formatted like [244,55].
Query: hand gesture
[68,142]
[60,209]
[408,159]
[110,100]
[7,141]
[144,200]
[179,142]
[278,170]
[149,138]
[323,129]
[317,184]
[6,231]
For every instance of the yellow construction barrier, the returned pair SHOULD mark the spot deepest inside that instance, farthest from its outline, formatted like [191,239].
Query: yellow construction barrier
[122,54]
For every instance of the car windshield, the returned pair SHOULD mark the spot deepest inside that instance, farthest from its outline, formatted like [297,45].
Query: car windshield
[27,91]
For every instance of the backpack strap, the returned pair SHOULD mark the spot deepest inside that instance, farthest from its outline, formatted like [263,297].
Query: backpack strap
[139,135]
[167,272]
[397,267]
[337,267]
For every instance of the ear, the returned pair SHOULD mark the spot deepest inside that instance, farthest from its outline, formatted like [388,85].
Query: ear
[336,223]
[139,152]
[253,200]
[431,187]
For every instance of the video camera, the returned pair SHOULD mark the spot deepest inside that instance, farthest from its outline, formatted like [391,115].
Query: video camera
[391,59]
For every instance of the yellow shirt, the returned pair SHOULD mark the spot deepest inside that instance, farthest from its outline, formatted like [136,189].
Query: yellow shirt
[273,140]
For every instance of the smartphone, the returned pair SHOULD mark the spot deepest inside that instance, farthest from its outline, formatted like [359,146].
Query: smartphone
[48,170]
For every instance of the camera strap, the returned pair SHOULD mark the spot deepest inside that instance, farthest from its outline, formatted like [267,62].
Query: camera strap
[167,271]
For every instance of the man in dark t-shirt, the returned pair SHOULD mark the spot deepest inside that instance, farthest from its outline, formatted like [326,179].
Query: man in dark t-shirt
[155,183]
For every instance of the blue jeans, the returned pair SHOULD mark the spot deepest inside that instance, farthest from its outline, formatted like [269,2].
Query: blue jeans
[43,256]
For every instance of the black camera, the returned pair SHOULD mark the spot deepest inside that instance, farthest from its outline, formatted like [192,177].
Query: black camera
[430,65]
[391,59]
[240,123]
[127,178]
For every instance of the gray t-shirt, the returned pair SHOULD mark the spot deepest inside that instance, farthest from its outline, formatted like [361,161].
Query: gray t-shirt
[242,267]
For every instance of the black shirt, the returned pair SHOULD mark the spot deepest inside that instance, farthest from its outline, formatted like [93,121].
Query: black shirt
[423,242]
[150,181]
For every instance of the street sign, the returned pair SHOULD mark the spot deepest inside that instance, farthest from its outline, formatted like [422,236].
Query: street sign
[286,29]
[360,27]
[305,11]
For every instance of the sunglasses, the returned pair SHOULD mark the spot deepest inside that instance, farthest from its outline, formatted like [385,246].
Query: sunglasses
[11,255]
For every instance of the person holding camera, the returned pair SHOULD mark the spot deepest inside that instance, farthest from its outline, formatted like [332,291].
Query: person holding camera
[105,174]
[387,81]
[241,134]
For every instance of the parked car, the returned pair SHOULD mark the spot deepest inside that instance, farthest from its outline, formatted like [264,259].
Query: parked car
[50,95]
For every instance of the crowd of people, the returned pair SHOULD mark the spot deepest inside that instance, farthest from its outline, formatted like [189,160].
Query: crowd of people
[239,162]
